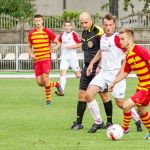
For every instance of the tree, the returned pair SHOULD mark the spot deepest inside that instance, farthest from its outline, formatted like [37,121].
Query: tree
[113,6]
[17,8]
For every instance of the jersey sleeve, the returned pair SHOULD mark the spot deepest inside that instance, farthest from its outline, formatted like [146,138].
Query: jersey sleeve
[60,37]
[29,38]
[51,34]
[76,37]
[117,43]
[145,54]
[127,68]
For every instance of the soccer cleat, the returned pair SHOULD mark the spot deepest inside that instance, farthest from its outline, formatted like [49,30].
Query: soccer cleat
[95,127]
[147,137]
[76,126]
[139,126]
[108,124]
[125,131]
[48,102]
[60,91]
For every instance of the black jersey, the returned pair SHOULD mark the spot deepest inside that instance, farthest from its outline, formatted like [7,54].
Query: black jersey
[91,43]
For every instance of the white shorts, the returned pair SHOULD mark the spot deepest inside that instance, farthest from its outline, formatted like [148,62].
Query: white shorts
[66,63]
[104,78]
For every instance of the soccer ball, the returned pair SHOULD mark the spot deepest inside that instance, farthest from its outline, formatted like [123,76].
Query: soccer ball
[115,132]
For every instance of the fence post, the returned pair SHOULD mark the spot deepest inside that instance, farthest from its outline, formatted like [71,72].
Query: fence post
[21,30]
[17,54]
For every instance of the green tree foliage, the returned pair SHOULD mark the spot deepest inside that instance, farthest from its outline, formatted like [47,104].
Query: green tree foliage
[17,8]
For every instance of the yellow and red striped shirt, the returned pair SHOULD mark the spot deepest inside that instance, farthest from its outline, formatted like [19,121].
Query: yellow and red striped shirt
[138,60]
[41,42]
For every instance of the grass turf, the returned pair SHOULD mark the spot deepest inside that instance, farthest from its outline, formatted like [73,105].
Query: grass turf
[27,124]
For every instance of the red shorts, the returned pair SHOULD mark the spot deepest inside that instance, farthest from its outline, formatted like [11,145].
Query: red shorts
[141,97]
[41,67]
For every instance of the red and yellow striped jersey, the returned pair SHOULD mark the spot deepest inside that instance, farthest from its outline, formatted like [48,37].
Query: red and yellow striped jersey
[41,42]
[138,60]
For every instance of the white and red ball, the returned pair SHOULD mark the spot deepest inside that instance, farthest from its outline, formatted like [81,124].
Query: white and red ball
[115,132]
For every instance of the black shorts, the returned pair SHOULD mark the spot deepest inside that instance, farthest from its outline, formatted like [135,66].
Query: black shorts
[85,80]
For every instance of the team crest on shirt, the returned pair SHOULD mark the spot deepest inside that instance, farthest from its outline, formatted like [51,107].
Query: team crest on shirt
[90,44]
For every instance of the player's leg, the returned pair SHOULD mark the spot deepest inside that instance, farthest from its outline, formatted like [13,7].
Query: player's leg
[108,108]
[47,88]
[127,116]
[94,108]
[74,64]
[64,64]
[145,117]
[142,99]
[81,105]
[119,94]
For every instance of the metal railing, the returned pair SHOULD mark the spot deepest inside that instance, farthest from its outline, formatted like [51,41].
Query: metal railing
[14,57]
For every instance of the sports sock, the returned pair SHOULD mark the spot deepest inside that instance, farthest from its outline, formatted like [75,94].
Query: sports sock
[63,82]
[108,110]
[146,120]
[81,107]
[126,120]
[53,84]
[48,92]
[135,115]
[95,111]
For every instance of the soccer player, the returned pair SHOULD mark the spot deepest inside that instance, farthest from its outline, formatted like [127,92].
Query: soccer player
[137,60]
[69,43]
[111,55]
[40,39]
[90,45]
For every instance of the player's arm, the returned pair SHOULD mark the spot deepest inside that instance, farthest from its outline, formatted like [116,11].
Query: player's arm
[58,44]
[30,51]
[77,41]
[31,54]
[122,75]
[94,60]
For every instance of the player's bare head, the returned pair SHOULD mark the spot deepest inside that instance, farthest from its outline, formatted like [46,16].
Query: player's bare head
[85,20]
[38,19]
[67,26]
[109,24]
[126,37]
[127,31]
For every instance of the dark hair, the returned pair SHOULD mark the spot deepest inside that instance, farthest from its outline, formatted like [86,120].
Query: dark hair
[38,16]
[109,16]
[67,21]
[128,31]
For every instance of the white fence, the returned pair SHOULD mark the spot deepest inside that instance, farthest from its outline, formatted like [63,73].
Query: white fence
[14,57]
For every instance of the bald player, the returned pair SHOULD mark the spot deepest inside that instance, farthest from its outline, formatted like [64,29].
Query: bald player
[90,42]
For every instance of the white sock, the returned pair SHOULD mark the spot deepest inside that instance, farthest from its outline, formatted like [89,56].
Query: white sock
[135,115]
[95,111]
[63,82]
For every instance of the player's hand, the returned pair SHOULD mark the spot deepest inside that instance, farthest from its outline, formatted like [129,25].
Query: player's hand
[110,87]
[89,70]
[32,56]
[69,47]
[98,70]
[53,49]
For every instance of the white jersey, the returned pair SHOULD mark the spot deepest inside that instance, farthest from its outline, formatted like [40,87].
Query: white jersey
[112,55]
[69,39]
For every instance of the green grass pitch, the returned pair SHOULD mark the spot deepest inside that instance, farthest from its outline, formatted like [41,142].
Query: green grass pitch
[27,124]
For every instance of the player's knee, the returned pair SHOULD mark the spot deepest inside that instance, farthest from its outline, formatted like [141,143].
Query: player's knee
[82,95]
[125,106]
[88,97]
[104,96]
[140,111]
[119,103]
[40,83]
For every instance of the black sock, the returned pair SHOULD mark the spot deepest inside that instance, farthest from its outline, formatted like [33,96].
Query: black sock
[80,111]
[108,110]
